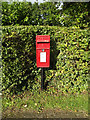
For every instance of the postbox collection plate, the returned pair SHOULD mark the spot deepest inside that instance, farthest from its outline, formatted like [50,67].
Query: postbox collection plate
[43,50]
[42,56]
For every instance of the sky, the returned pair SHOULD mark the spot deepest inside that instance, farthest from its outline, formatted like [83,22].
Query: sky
[41,1]
[32,1]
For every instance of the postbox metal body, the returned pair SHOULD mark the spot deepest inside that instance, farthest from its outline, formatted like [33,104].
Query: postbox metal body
[43,50]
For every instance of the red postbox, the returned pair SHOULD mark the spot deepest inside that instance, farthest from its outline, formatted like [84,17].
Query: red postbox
[43,50]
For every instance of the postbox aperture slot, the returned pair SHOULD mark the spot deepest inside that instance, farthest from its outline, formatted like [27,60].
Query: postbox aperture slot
[42,42]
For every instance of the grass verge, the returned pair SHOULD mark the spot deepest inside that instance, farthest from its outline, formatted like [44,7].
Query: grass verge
[39,100]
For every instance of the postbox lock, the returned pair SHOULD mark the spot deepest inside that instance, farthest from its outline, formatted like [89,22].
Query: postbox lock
[42,50]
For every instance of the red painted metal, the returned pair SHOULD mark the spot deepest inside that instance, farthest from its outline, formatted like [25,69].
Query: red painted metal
[43,50]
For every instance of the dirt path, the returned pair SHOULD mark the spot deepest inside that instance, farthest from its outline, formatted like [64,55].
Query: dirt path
[49,113]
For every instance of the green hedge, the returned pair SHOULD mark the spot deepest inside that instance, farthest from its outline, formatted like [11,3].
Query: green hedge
[46,13]
[69,58]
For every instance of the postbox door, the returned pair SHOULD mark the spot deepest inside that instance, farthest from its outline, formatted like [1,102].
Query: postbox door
[43,58]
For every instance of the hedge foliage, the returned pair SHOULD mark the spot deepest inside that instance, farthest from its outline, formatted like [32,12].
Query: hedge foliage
[47,13]
[26,13]
[69,58]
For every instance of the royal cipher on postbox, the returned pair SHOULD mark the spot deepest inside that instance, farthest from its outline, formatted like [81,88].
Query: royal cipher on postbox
[43,50]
